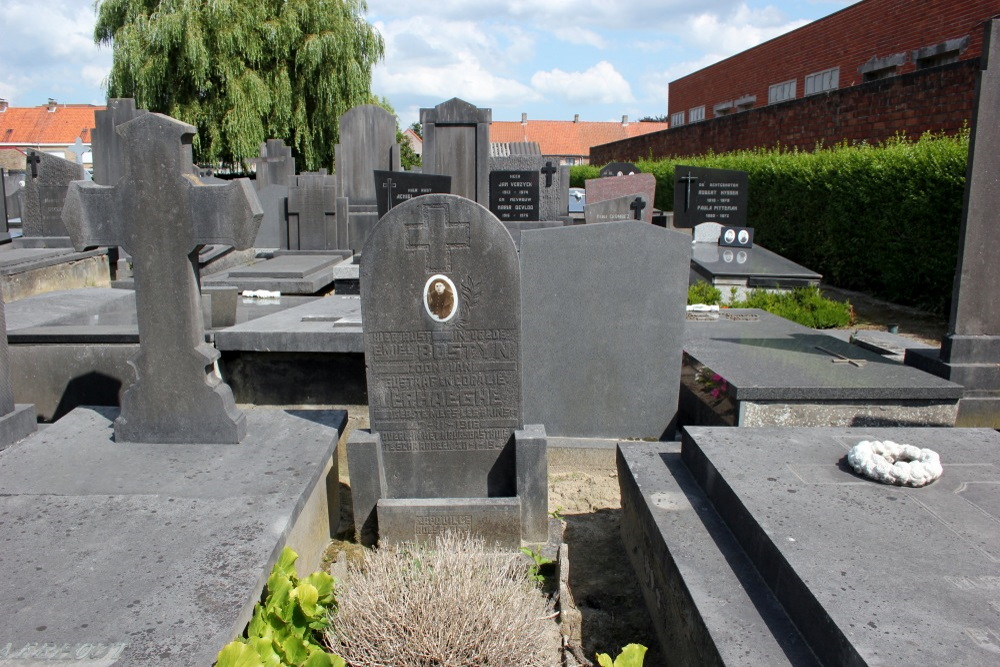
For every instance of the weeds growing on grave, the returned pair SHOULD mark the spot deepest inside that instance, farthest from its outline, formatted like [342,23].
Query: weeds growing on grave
[703,292]
[632,655]
[456,603]
[804,305]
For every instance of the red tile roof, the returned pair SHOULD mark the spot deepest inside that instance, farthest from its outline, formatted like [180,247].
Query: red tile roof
[567,137]
[38,125]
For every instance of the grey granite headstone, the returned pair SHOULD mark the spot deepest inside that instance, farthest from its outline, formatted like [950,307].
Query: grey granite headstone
[16,421]
[392,188]
[457,144]
[275,174]
[367,143]
[312,207]
[601,189]
[970,352]
[275,166]
[160,214]
[629,207]
[552,184]
[46,182]
[602,337]
[709,195]
[107,147]
[707,232]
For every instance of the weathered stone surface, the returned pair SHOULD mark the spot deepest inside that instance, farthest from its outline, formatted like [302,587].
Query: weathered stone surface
[108,148]
[16,421]
[552,181]
[288,272]
[601,189]
[709,195]
[275,166]
[444,375]
[45,186]
[457,144]
[311,214]
[629,207]
[602,339]
[160,213]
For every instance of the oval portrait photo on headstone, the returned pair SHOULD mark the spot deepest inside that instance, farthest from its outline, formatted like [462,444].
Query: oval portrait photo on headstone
[440,298]
[744,236]
[730,235]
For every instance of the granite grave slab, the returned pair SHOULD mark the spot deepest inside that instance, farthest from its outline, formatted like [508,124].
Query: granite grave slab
[457,144]
[629,207]
[775,372]
[602,189]
[17,421]
[301,273]
[746,269]
[709,195]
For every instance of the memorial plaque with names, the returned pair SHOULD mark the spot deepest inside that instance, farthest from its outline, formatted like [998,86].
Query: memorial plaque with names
[601,189]
[629,207]
[709,195]
[514,195]
[392,188]
[736,237]
[441,312]
[45,185]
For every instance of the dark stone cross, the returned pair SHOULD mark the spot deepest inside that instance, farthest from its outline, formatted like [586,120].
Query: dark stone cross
[637,206]
[687,193]
[549,170]
[161,213]
[437,236]
[34,159]
[389,186]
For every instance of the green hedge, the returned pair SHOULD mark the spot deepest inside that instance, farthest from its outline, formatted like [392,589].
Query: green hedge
[879,219]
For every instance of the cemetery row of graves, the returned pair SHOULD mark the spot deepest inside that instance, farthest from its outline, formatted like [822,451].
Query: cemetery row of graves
[788,495]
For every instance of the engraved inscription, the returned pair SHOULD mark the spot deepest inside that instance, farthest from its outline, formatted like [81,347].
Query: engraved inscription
[438,524]
[89,655]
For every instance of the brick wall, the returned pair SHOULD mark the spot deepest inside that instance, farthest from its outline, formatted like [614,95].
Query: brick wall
[847,39]
[938,99]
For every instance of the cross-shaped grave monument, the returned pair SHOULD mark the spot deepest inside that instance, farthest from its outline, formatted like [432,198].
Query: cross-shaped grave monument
[161,213]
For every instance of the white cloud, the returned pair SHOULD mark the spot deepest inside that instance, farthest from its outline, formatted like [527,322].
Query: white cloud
[738,31]
[601,84]
[580,36]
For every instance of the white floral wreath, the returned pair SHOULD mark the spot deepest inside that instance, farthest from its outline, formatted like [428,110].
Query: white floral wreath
[891,463]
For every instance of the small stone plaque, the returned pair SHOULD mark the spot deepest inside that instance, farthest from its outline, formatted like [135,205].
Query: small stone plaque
[619,169]
[602,189]
[514,195]
[736,237]
[616,210]
[46,184]
[709,195]
[392,188]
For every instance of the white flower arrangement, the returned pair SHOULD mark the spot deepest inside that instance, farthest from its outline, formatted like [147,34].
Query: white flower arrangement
[892,463]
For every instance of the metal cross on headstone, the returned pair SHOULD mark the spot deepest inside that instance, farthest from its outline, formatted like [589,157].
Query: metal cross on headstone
[389,186]
[161,213]
[841,359]
[549,170]
[437,235]
[687,192]
[637,206]
[34,159]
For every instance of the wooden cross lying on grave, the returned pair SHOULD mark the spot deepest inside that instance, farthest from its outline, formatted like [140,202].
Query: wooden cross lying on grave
[841,359]
[161,213]
[437,235]
[549,170]
[637,205]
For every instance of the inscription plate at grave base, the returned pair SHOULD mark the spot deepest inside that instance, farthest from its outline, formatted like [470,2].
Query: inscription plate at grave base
[497,520]
[709,195]
[514,195]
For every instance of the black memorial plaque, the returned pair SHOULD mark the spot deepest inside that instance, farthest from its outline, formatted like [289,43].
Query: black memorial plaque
[736,237]
[392,188]
[514,195]
[709,195]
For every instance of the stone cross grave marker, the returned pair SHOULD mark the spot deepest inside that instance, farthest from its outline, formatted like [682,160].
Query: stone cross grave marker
[275,166]
[45,187]
[160,213]
[78,149]
[709,195]
[107,147]
[312,209]
[275,174]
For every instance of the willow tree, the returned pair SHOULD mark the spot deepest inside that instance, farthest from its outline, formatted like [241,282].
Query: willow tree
[242,71]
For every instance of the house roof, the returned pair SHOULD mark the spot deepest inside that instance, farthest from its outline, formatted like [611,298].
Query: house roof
[567,137]
[37,125]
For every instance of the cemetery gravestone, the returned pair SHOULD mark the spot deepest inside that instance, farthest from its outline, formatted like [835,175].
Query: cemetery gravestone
[16,421]
[275,166]
[970,351]
[709,195]
[514,195]
[457,144]
[312,208]
[275,174]
[629,207]
[4,228]
[549,187]
[46,183]
[107,148]
[619,169]
[441,311]
[644,185]
[392,188]
[160,213]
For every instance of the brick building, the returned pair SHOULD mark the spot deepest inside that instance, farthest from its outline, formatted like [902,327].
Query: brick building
[53,128]
[863,73]
[569,140]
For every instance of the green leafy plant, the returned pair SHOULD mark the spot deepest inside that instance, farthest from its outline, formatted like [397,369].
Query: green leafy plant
[557,513]
[534,570]
[287,626]
[631,656]
[804,305]
[703,292]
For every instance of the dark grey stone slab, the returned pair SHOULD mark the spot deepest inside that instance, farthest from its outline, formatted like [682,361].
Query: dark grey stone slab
[771,358]
[162,551]
[330,324]
[629,207]
[16,421]
[17,259]
[709,195]
[274,225]
[868,572]
[46,183]
[367,143]
[551,193]
[54,307]
[108,148]
[457,144]
[708,603]
[514,195]
[602,189]
[756,265]
[311,213]
[444,375]
[889,345]
[300,272]
[517,228]
[275,166]
[174,398]
[286,266]
[602,338]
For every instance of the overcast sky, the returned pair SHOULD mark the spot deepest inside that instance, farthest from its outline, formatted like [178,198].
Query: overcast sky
[550,58]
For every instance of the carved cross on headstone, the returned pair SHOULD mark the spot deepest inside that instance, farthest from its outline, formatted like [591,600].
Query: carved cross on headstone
[161,214]
[637,206]
[437,236]
[389,186]
[687,192]
[549,170]
[33,160]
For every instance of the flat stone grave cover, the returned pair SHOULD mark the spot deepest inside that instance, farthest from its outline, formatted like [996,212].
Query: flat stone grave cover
[440,303]
[329,324]
[756,264]
[45,186]
[709,195]
[764,357]
[392,188]
[601,189]
[870,573]
[629,207]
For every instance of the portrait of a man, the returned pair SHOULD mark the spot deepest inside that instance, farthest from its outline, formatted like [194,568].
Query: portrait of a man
[439,298]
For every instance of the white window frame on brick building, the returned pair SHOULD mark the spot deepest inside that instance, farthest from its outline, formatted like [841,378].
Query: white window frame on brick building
[818,82]
[780,92]
[676,119]
[696,114]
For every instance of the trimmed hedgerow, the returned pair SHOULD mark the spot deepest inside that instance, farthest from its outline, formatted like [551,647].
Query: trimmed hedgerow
[879,219]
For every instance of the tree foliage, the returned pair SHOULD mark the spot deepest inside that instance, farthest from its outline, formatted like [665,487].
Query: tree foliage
[243,71]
